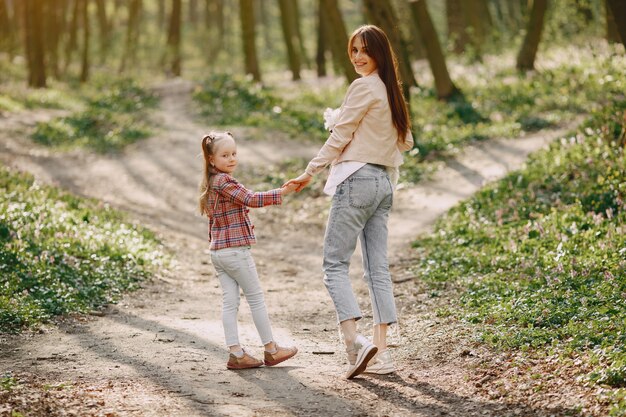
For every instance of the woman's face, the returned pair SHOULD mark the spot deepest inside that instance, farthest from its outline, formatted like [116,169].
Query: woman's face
[363,63]
[225,155]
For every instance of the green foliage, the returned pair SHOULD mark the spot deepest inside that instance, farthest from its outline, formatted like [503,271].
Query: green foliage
[541,254]
[230,100]
[115,117]
[61,254]
[8,382]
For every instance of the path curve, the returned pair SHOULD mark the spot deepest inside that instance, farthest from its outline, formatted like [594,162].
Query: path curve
[159,351]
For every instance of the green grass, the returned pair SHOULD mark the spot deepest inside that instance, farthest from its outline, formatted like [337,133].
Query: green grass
[540,256]
[61,254]
[115,116]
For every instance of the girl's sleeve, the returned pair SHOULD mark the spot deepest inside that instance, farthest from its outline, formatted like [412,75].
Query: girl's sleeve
[234,192]
[357,102]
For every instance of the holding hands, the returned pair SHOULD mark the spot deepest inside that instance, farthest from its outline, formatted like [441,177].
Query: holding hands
[297,184]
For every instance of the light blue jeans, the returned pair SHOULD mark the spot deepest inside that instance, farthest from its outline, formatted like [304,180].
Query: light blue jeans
[360,209]
[236,269]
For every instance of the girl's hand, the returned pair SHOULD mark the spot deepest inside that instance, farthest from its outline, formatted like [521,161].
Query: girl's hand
[288,188]
[301,182]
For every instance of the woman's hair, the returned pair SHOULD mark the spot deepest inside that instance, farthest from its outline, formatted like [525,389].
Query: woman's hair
[209,144]
[379,49]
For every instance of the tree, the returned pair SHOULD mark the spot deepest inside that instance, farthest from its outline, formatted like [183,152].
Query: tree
[7,30]
[382,15]
[72,42]
[54,12]
[288,19]
[33,27]
[456,25]
[84,73]
[528,52]
[618,8]
[612,34]
[443,84]
[172,51]
[104,29]
[132,34]
[251,63]
[337,37]
[322,41]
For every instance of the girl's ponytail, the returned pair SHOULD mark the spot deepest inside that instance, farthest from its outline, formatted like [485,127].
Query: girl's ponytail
[208,142]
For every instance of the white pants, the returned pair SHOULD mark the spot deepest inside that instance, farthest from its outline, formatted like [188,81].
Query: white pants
[236,269]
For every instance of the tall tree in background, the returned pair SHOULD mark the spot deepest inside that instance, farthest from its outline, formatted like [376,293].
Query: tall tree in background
[84,73]
[456,25]
[322,41]
[54,12]
[33,27]
[288,19]
[104,29]
[612,34]
[132,34]
[382,15]
[172,51]
[7,29]
[618,8]
[337,37]
[214,20]
[528,52]
[443,83]
[251,63]
[72,42]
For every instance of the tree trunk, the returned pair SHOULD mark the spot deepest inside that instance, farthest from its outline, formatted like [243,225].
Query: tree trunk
[7,30]
[251,63]
[33,28]
[52,27]
[132,34]
[84,73]
[338,38]
[381,13]
[322,42]
[456,25]
[302,50]
[214,20]
[193,12]
[287,20]
[443,83]
[72,42]
[474,26]
[528,52]
[618,8]
[161,13]
[104,29]
[612,34]
[172,50]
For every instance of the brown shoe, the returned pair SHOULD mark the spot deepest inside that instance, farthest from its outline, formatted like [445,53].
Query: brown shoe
[243,363]
[281,354]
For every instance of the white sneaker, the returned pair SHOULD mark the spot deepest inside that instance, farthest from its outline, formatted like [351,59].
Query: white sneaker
[361,353]
[382,364]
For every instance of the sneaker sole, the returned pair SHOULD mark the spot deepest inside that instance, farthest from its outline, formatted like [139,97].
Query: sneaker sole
[380,371]
[276,362]
[365,358]
[236,367]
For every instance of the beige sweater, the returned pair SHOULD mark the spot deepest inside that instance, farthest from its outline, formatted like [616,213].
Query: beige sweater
[364,130]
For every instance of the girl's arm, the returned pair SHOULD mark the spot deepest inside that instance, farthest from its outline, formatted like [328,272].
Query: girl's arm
[232,190]
[358,100]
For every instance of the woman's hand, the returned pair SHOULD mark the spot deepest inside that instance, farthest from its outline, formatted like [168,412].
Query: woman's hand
[301,182]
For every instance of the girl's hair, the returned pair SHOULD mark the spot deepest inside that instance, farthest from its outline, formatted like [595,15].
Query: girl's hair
[209,144]
[379,49]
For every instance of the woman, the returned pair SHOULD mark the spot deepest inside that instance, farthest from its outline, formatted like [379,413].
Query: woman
[364,148]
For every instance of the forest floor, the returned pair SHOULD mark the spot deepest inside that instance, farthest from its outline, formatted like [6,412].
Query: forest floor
[160,351]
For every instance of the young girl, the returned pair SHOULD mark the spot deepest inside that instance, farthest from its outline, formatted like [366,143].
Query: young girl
[364,148]
[225,202]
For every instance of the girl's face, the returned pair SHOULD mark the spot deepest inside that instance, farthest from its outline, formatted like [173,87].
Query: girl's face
[363,63]
[225,155]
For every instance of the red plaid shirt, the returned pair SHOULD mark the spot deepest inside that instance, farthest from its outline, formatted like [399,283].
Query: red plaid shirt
[229,223]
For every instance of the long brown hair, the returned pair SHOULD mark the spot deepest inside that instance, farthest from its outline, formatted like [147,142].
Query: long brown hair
[379,49]
[209,143]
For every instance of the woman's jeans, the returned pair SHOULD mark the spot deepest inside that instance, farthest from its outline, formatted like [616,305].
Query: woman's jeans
[235,268]
[360,209]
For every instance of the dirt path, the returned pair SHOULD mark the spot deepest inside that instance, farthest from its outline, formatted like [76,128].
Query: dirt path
[160,351]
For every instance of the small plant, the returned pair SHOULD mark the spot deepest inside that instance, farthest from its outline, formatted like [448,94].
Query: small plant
[113,119]
[8,382]
[62,254]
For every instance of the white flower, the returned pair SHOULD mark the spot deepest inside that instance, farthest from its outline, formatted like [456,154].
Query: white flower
[330,118]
